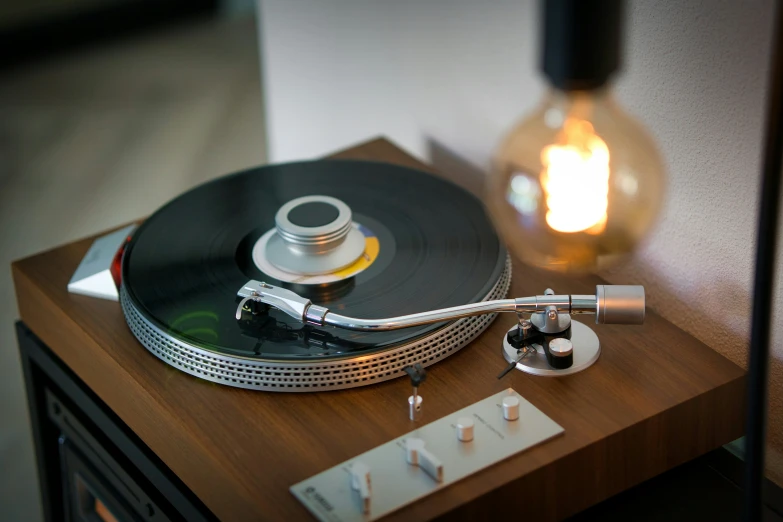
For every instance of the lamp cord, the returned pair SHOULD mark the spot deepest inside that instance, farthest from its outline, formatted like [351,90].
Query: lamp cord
[764,283]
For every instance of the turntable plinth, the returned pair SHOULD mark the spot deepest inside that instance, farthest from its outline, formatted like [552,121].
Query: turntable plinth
[656,398]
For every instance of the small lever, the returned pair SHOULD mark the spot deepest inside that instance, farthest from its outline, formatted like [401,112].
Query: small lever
[521,354]
[417,455]
[241,305]
[417,374]
[360,481]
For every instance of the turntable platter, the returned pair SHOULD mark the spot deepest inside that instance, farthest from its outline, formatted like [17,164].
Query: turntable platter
[433,246]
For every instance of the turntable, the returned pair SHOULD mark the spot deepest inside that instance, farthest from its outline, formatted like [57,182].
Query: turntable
[346,281]
[346,273]
[363,238]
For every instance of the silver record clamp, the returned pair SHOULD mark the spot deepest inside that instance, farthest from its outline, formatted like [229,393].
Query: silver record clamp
[611,304]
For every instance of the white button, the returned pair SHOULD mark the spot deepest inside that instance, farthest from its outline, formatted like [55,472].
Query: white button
[511,408]
[561,347]
[465,429]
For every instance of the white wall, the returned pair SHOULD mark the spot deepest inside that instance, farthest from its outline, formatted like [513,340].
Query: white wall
[439,76]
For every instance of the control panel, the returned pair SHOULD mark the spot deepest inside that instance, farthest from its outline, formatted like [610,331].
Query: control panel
[427,459]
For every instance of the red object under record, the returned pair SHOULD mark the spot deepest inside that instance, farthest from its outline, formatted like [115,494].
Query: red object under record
[116,264]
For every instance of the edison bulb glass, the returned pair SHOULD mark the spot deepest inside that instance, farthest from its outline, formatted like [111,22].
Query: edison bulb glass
[575,185]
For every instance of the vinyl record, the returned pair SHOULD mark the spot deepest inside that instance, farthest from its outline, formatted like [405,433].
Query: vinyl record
[183,267]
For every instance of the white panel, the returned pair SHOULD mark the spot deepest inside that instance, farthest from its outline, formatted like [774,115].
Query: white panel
[396,483]
[93,276]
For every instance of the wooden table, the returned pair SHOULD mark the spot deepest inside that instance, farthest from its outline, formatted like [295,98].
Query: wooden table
[656,398]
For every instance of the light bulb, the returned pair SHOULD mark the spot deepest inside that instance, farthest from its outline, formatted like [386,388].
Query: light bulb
[576,184]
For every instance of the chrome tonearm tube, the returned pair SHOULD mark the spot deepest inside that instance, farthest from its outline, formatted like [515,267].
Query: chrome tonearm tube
[611,304]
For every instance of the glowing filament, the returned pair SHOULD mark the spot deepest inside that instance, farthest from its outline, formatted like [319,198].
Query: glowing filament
[576,179]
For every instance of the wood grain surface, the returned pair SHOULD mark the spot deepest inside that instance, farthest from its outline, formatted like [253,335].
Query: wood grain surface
[656,398]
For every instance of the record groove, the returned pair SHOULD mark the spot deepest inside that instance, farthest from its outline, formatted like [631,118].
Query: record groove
[184,265]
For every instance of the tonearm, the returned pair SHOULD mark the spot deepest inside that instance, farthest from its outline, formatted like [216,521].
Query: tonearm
[611,304]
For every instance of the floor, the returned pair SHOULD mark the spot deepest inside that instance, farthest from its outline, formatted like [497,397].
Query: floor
[101,137]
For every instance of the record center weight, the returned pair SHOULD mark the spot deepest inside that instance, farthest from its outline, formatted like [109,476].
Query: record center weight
[435,248]
[316,242]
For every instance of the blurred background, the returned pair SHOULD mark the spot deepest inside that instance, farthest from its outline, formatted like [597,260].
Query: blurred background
[108,108]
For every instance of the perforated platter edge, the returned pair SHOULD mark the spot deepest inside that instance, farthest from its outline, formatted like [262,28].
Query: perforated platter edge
[305,376]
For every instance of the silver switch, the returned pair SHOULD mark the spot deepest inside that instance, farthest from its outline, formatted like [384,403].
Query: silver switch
[360,481]
[417,455]
[510,408]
